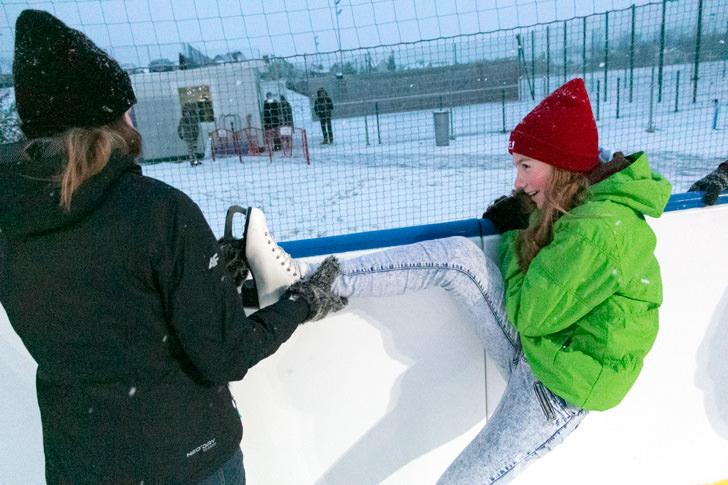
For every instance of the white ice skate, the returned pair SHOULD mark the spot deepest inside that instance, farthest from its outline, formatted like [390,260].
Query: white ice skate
[273,269]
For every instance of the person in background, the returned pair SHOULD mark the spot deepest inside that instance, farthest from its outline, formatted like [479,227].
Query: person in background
[117,286]
[286,112]
[324,107]
[286,130]
[188,131]
[570,309]
[712,184]
[271,121]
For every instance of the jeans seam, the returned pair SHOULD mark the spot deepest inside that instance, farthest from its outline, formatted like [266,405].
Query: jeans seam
[428,266]
[550,438]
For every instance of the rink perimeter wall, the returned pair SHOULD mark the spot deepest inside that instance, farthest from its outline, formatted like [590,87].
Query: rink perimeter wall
[390,390]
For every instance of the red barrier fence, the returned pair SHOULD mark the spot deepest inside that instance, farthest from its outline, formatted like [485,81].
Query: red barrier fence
[281,142]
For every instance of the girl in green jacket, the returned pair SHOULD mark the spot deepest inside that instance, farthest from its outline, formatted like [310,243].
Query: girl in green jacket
[570,310]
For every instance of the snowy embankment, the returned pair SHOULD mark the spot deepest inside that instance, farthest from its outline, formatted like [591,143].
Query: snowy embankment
[390,390]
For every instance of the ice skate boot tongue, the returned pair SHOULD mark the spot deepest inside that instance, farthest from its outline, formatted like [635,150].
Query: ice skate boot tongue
[273,269]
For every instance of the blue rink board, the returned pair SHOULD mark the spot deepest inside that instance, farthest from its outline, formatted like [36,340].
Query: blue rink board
[408,235]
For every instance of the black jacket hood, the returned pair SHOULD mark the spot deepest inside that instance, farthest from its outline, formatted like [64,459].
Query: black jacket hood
[29,190]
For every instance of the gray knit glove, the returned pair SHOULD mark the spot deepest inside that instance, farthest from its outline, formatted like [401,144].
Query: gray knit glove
[316,290]
[712,184]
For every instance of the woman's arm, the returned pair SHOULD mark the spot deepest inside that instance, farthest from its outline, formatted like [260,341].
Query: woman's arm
[203,306]
[568,278]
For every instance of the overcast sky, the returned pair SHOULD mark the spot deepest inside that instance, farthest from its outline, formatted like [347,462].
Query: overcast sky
[136,31]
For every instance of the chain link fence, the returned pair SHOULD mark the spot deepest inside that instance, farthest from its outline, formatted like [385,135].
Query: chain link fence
[420,128]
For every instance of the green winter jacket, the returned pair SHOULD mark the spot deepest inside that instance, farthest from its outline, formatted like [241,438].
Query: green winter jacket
[587,308]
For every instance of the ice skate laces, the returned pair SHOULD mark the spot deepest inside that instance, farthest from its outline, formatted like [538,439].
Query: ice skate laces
[282,257]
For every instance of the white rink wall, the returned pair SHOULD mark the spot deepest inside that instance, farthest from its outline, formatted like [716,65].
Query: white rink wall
[391,389]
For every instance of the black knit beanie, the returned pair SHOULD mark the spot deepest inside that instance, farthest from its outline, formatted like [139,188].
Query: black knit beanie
[62,79]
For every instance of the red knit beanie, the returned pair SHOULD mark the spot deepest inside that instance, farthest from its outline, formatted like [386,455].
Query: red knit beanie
[560,131]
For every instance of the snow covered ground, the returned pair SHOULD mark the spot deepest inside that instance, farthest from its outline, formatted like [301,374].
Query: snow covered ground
[358,184]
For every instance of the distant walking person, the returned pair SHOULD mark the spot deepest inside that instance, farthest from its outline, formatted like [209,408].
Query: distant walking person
[286,112]
[188,130]
[271,121]
[286,129]
[323,107]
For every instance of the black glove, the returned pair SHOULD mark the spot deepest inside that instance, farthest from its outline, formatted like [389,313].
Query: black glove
[316,290]
[512,212]
[712,184]
[604,170]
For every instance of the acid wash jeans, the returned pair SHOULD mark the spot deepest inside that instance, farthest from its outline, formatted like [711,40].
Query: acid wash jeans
[529,420]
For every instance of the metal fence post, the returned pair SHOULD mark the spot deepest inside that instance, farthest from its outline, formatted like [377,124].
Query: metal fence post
[651,124]
[677,90]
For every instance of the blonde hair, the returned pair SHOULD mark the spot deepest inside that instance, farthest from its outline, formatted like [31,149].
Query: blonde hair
[89,150]
[568,189]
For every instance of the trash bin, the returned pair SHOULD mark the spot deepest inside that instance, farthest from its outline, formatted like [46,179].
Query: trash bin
[442,128]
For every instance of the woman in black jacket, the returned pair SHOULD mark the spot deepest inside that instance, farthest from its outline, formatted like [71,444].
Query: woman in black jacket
[116,284]
[323,107]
